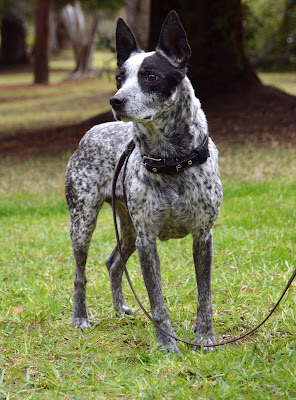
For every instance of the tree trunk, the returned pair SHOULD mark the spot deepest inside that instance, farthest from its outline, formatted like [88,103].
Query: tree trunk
[214,28]
[84,62]
[83,43]
[138,18]
[59,38]
[73,19]
[41,50]
[13,45]
[53,38]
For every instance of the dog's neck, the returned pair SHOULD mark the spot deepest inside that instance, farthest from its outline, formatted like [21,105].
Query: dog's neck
[179,129]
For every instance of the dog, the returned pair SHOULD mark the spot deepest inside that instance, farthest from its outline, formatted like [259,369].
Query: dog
[155,105]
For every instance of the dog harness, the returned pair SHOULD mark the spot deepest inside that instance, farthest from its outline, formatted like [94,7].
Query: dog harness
[171,165]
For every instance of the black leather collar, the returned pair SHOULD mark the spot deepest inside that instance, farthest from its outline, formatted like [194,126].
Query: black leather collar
[171,165]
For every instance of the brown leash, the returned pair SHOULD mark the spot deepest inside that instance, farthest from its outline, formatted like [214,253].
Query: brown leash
[126,153]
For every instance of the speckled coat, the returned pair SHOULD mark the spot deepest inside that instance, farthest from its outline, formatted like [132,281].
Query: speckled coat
[156,106]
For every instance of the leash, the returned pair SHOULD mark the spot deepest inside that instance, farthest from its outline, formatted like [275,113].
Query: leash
[124,157]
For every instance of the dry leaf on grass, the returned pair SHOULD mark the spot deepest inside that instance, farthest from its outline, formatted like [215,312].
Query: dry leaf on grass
[249,291]
[18,309]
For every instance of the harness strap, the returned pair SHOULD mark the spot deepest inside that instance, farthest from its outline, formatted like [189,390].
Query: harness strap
[130,147]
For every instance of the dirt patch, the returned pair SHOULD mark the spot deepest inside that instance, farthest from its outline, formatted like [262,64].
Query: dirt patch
[264,115]
[45,142]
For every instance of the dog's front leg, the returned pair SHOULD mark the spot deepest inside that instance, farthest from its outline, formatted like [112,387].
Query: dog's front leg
[202,254]
[150,266]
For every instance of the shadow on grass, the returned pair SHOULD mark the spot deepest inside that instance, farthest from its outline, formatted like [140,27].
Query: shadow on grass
[264,115]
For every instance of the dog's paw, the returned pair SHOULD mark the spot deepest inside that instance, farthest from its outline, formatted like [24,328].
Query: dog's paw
[124,309]
[205,339]
[80,323]
[128,310]
[166,343]
[168,347]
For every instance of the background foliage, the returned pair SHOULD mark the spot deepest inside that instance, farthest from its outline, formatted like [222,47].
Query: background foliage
[270,33]
[269,27]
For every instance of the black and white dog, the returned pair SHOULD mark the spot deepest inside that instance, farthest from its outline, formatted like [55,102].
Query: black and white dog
[156,106]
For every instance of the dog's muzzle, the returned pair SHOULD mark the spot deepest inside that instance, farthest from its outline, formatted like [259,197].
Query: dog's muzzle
[117,102]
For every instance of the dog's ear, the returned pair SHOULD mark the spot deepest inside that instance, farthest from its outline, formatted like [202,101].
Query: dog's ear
[173,40]
[125,42]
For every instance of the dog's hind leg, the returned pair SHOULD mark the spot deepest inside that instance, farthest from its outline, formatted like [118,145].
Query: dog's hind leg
[202,254]
[82,224]
[113,262]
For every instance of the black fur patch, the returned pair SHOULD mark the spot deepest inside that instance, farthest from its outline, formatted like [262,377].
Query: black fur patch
[168,76]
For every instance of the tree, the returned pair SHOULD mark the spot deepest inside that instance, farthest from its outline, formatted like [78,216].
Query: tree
[58,36]
[83,39]
[138,18]
[270,33]
[13,34]
[289,28]
[41,49]
[218,63]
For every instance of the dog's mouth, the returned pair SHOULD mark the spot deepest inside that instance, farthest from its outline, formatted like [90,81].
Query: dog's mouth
[148,118]
[120,116]
[125,118]
[116,115]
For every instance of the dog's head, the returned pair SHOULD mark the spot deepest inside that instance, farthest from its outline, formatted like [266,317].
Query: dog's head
[147,82]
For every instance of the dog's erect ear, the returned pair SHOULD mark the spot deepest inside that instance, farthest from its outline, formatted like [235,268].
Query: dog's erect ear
[125,42]
[173,40]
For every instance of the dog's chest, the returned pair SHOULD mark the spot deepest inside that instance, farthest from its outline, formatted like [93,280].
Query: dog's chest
[172,207]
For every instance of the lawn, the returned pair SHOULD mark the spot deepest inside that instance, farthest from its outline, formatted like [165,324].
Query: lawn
[25,107]
[43,357]
[285,81]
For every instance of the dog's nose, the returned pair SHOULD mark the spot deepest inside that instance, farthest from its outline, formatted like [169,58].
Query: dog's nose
[116,102]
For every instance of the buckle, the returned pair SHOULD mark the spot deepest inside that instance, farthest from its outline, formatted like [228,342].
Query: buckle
[149,158]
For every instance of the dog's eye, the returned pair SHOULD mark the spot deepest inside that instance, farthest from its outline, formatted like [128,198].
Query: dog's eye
[118,81]
[151,78]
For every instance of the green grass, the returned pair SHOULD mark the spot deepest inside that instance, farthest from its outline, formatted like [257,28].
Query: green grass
[42,356]
[60,68]
[24,106]
[101,59]
[54,106]
[285,81]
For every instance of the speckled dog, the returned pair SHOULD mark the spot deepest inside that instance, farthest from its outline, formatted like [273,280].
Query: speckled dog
[156,106]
